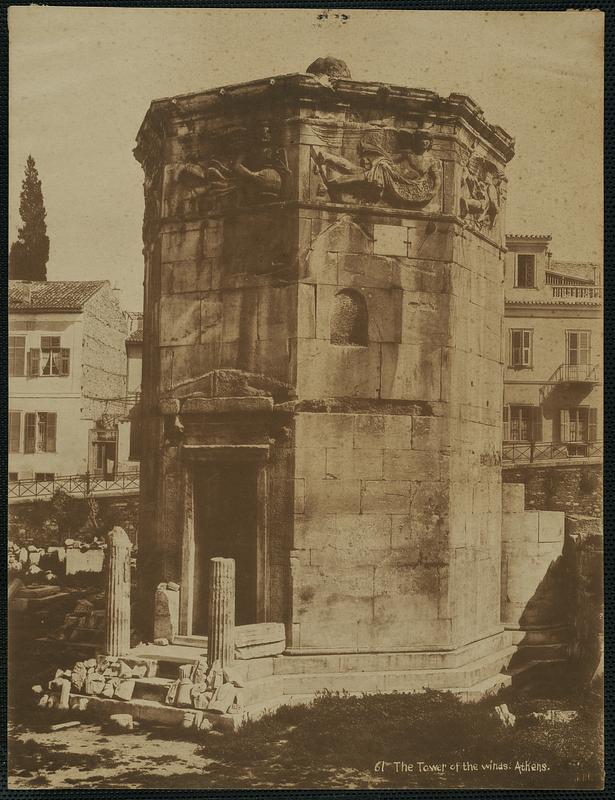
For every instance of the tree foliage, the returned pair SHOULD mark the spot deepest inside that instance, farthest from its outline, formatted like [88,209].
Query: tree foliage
[30,252]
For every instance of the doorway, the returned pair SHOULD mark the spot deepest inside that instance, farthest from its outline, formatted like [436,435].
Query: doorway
[103,454]
[225,524]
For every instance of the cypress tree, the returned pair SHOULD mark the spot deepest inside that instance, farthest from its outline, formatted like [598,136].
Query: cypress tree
[30,252]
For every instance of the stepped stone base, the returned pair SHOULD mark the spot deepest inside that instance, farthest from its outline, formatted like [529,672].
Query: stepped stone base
[471,672]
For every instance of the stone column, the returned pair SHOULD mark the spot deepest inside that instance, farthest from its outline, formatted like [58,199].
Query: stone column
[221,611]
[117,621]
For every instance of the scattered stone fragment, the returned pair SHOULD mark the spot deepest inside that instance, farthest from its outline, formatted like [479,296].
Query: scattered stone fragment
[55,684]
[205,725]
[173,587]
[124,690]
[223,699]
[43,700]
[64,694]
[139,671]
[125,670]
[230,676]
[109,690]
[33,569]
[94,683]
[183,698]
[555,715]
[91,662]
[122,721]
[199,672]
[161,642]
[78,703]
[38,689]
[188,719]
[172,693]
[62,726]
[505,716]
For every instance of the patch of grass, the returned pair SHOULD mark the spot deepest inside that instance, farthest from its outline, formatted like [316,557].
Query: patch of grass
[345,732]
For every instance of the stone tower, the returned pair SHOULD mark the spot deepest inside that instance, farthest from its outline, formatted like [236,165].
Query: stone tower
[322,378]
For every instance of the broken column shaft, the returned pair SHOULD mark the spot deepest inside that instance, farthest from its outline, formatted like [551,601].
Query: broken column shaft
[117,621]
[221,611]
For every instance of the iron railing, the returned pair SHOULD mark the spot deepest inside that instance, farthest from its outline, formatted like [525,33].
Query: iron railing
[570,373]
[532,452]
[75,485]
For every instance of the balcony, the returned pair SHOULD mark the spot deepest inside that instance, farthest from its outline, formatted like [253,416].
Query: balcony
[577,292]
[549,452]
[568,374]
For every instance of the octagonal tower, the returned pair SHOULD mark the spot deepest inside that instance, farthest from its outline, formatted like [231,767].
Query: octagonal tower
[322,377]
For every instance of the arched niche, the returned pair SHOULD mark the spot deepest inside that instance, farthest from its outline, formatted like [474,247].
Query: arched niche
[349,320]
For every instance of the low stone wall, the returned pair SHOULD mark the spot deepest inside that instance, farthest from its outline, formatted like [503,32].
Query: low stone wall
[575,489]
[533,587]
[584,555]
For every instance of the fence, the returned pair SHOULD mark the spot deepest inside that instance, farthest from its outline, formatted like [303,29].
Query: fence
[123,483]
[532,452]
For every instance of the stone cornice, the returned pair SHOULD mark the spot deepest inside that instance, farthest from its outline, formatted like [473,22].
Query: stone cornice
[305,90]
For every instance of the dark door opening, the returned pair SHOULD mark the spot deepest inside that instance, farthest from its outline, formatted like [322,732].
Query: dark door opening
[225,525]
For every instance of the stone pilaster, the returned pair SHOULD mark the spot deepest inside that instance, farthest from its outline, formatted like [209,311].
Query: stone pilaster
[221,614]
[117,622]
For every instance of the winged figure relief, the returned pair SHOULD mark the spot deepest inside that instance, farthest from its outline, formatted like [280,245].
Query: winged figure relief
[481,192]
[393,166]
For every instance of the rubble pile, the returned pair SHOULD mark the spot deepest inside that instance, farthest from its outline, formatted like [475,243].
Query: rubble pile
[203,687]
[35,564]
[85,622]
[105,676]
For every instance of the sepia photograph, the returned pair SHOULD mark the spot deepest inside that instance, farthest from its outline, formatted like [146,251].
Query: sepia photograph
[305,398]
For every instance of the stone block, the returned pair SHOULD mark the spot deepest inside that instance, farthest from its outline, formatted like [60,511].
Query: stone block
[183,277]
[306,311]
[342,463]
[365,272]
[411,465]
[310,462]
[328,430]
[411,371]
[362,531]
[333,594]
[386,497]
[406,593]
[182,244]
[314,531]
[333,635]
[180,320]
[551,526]
[520,527]
[332,496]
[430,433]
[391,240]
[84,561]
[329,370]
[211,318]
[513,497]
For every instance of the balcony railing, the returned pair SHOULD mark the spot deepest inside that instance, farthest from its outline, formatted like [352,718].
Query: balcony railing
[577,292]
[544,452]
[570,373]
[75,485]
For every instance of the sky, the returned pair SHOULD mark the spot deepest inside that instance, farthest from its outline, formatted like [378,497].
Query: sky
[82,79]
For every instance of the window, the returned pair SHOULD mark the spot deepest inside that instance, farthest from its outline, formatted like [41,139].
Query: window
[17,356]
[14,431]
[40,432]
[526,272]
[578,347]
[54,359]
[50,359]
[522,423]
[521,348]
[44,476]
[349,325]
[578,424]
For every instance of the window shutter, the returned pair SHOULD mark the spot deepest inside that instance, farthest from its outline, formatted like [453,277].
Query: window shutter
[30,433]
[34,362]
[505,424]
[64,361]
[564,425]
[51,433]
[14,431]
[537,424]
[515,348]
[592,426]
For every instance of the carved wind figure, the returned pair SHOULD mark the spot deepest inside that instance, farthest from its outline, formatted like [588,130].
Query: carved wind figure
[481,192]
[395,167]
[247,168]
